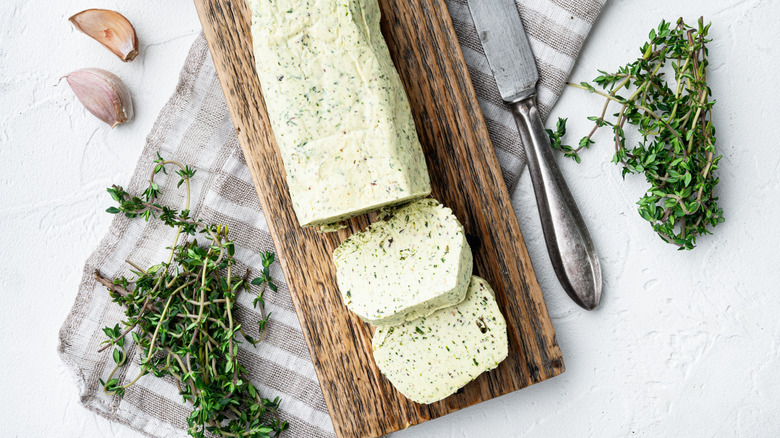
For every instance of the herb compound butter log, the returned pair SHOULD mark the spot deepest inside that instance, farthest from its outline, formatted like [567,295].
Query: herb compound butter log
[337,107]
[405,266]
[430,358]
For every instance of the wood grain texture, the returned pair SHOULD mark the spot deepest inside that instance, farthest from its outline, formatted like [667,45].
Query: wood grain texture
[466,177]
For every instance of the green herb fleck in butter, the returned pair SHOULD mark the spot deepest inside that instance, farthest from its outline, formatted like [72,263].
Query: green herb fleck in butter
[337,107]
[432,357]
[406,266]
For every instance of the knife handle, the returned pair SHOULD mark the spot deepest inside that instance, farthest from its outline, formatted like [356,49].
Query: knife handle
[569,245]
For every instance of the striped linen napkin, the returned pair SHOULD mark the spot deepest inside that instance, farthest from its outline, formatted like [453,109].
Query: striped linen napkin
[194,127]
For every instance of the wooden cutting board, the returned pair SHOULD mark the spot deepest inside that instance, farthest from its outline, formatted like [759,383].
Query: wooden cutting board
[465,176]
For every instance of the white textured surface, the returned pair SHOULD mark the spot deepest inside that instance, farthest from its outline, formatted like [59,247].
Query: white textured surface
[684,343]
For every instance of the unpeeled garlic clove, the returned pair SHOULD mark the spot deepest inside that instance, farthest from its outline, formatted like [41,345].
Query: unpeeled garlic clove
[103,94]
[111,29]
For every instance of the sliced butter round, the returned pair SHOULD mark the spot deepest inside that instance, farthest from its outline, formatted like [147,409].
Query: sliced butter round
[432,357]
[406,266]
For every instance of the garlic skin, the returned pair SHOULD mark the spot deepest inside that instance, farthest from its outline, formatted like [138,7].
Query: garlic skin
[109,28]
[103,94]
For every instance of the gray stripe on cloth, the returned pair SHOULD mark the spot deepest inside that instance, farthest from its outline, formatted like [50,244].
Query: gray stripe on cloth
[277,334]
[285,380]
[195,127]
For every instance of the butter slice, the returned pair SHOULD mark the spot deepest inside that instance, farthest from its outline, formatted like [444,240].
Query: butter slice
[406,266]
[432,357]
[337,107]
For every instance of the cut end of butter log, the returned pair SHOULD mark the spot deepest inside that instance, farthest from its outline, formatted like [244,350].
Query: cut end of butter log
[432,357]
[337,107]
[406,266]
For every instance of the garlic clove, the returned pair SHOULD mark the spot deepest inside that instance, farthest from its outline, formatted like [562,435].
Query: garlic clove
[103,94]
[109,28]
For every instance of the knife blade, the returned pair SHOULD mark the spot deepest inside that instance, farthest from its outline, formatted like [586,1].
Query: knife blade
[506,47]
[571,250]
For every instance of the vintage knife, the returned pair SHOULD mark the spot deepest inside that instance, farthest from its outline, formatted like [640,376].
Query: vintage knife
[571,250]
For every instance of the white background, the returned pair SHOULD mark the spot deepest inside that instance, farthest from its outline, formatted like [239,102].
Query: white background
[684,343]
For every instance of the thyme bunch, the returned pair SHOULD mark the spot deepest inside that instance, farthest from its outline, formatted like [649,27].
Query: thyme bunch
[180,314]
[676,152]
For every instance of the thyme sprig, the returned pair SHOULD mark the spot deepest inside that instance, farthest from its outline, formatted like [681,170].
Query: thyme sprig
[180,314]
[676,152]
